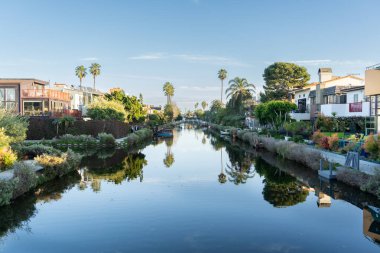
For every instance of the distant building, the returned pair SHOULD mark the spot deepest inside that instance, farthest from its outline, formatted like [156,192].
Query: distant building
[29,96]
[80,97]
[341,95]
[150,109]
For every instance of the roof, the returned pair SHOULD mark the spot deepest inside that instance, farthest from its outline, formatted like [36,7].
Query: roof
[25,79]
[353,88]
[325,70]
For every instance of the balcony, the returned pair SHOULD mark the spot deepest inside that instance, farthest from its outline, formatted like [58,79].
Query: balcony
[360,109]
[45,93]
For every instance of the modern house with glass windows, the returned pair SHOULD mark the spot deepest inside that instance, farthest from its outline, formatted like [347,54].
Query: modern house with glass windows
[29,96]
[342,96]
[372,90]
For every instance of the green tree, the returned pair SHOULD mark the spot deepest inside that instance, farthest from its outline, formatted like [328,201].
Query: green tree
[81,73]
[168,91]
[274,113]
[282,77]
[239,92]
[222,74]
[95,71]
[65,121]
[196,105]
[204,105]
[171,112]
[103,109]
[132,105]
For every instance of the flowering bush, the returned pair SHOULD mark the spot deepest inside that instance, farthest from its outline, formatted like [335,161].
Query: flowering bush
[371,146]
[333,142]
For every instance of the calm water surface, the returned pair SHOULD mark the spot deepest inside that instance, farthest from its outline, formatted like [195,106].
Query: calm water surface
[171,197]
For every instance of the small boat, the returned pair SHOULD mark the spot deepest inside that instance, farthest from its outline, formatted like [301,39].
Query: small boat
[375,212]
[165,133]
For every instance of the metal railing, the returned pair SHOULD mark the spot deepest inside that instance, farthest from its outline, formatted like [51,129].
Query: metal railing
[45,93]
[376,66]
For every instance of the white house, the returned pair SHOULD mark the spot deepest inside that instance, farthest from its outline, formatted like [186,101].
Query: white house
[339,95]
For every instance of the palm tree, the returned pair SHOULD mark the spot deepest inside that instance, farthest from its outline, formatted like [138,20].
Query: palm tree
[222,74]
[168,91]
[222,178]
[81,73]
[196,105]
[204,105]
[95,70]
[240,86]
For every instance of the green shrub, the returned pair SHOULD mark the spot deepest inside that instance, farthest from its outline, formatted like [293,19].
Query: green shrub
[58,165]
[7,158]
[107,139]
[25,179]
[137,137]
[373,184]
[35,150]
[15,126]
[6,191]
[83,139]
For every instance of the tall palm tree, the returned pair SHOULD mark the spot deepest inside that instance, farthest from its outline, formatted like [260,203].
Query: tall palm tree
[222,178]
[204,105]
[95,70]
[222,74]
[168,91]
[196,105]
[240,87]
[81,73]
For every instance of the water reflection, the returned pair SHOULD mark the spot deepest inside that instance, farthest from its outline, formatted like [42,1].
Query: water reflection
[17,215]
[129,168]
[169,157]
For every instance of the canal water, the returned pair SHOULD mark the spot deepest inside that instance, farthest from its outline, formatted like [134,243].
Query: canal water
[193,193]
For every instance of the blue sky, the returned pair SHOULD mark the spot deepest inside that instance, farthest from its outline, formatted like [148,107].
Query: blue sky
[142,44]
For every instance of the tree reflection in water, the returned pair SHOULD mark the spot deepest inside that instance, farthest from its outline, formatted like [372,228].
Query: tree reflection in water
[130,168]
[280,189]
[241,168]
[169,157]
[18,214]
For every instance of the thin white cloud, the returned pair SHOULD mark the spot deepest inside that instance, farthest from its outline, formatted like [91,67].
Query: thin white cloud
[154,56]
[89,59]
[207,59]
[200,88]
[329,62]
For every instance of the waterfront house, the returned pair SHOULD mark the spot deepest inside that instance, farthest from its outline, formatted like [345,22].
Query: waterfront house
[342,96]
[33,97]
[372,90]
[80,97]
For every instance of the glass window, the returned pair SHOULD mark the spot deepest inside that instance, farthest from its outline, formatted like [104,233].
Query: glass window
[10,94]
[356,98]
[2,94]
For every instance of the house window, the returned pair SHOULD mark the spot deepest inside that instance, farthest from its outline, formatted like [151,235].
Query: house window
[8,98]
[330,99]
[343,99]
[33,108]
[303,95]
[373,105]
[312,100]
[356,98]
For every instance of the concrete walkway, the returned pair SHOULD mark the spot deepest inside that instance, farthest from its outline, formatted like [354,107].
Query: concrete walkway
[6,175]
[364,166]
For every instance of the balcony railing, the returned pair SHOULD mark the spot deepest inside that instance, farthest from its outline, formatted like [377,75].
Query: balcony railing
[45,93]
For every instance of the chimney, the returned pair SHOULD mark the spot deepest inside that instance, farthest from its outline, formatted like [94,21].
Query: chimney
[325,74]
